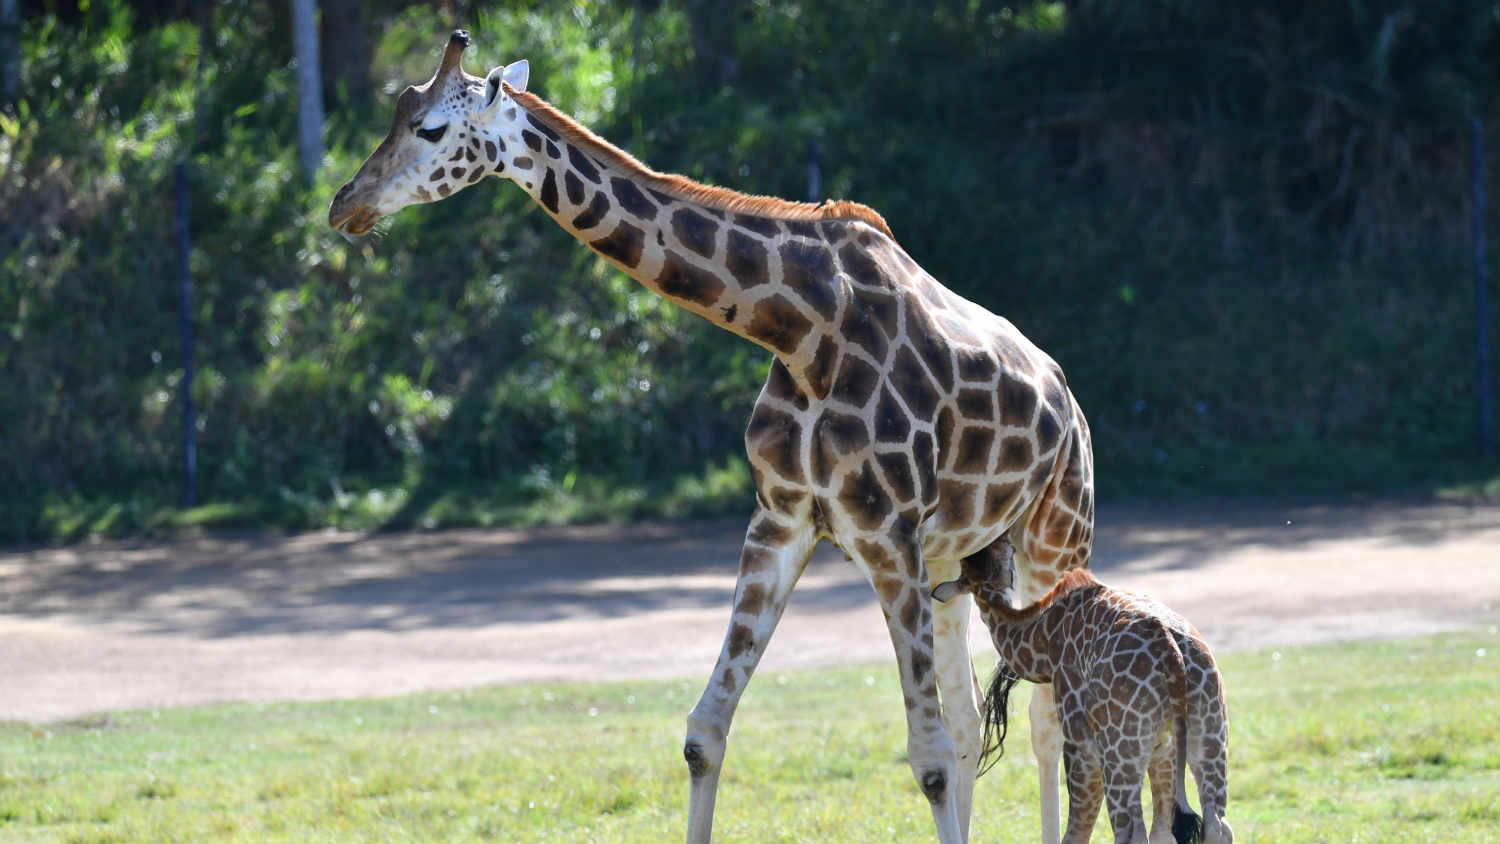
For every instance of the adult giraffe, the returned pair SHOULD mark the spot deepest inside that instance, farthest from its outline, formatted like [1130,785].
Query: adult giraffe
[902,422]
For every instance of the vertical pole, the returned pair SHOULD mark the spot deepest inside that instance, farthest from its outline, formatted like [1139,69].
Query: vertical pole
[1481,295]
[10,51]
[814,176]
[185,331]
[635,78]
[309,87]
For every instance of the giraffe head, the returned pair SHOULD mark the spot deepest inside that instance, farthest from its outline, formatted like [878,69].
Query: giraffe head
[991,571]
[448,133]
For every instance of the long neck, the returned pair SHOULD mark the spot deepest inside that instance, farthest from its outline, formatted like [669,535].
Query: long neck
[764,269]
[1018,634]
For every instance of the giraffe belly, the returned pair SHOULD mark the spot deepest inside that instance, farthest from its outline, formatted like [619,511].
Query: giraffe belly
[971,513]
[941,544]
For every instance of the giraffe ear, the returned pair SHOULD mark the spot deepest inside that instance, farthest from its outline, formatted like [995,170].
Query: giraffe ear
[513,74]
[945,592]
[516,74]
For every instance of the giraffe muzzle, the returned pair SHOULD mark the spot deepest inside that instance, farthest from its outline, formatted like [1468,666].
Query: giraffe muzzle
[350,217]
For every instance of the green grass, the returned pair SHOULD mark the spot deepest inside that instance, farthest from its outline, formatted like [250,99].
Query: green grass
[1389,741]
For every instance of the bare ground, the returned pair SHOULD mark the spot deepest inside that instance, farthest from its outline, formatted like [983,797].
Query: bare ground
[106,626]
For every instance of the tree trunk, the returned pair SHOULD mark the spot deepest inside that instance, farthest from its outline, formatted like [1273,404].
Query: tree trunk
[711,25]
[309,87]
[10,51]
[346,52]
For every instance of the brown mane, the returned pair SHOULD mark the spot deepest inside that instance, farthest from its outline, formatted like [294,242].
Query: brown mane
[1071,581]
[682,187]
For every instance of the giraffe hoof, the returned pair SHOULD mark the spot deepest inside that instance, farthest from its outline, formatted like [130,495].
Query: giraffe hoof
[697,762]
[934,785]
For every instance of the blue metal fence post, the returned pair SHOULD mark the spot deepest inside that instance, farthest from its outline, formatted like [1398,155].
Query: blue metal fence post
[185,332]
[1481,295]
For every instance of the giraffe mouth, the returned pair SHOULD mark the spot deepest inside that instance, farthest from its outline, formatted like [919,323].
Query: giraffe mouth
[357,222]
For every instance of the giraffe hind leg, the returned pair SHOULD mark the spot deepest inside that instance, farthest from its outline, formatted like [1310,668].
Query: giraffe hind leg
[1212,772]
[1163,801]
[894,566]
[1123,774]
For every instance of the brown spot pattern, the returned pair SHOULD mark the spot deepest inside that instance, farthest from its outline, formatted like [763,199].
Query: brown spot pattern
[549,192]
[973,455]
[695,231]
[779,324]
[855,382]
[623,244]
[759,225]
[896,468]
[1017,402]
[808,269]
[775,438]
[859,329]
[582,164]
[631,200]
[746,259]
[864,499]
[891,424]
[910,380]
[574,188]
[819,372]
[592,215]
[681,280]
[741,639]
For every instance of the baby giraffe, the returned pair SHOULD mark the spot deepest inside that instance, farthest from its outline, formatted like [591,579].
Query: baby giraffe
[1124,670]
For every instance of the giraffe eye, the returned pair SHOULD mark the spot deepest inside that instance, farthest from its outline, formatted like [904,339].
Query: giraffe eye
[432,135]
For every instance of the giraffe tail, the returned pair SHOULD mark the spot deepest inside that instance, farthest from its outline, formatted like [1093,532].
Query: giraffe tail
[995,716]
[1187,827]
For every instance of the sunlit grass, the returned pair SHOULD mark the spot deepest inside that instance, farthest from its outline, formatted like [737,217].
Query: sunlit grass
[1378,741]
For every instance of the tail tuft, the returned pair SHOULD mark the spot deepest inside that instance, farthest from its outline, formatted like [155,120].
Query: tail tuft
[1187,828]
[995,716]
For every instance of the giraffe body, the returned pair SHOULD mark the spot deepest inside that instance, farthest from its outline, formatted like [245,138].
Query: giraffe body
[903,423]
[1131,680]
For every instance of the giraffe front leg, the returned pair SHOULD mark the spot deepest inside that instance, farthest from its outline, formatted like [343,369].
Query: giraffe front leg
[894,566]
[1085,789]
[775,554]
[1037,568]
[959,688]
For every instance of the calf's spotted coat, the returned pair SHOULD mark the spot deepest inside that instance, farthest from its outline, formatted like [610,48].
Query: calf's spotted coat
[1131,680]
[905,424]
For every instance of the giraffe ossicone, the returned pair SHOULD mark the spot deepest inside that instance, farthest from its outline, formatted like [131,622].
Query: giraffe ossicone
[905,424]
[1136,690]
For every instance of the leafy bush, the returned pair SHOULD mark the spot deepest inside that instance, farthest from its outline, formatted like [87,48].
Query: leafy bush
[1244,236]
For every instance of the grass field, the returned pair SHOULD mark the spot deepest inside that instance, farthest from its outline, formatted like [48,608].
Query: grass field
[1388,741]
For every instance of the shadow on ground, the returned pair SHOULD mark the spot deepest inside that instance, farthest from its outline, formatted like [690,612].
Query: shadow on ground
[331,582]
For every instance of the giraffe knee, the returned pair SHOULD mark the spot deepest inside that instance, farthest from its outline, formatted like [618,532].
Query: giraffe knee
[697,759]
[703,750]
[934,784]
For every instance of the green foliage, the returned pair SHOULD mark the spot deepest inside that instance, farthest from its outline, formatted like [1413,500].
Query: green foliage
[1388,741]
[1242,235]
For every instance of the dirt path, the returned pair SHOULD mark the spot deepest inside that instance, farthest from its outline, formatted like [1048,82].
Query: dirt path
[325,615]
